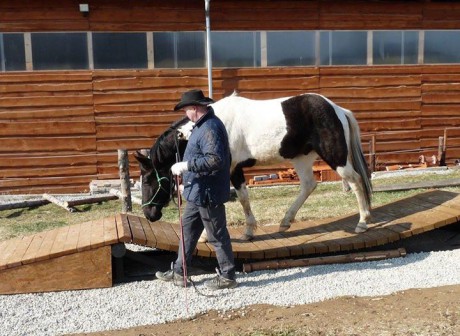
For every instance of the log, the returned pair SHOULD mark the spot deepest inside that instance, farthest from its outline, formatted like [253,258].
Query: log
[338,259]
[23,204]
[90,200]
[119,194]
[62,204]
[123,166]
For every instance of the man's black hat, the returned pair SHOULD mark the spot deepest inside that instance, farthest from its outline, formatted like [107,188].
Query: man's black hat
[193,97]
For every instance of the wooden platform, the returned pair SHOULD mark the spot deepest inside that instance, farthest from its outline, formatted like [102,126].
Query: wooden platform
[80,256]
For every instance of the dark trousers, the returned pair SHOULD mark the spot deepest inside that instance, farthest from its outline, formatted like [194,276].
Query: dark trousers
[214,221]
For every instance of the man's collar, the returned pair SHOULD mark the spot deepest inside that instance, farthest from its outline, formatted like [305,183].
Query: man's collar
[209,113]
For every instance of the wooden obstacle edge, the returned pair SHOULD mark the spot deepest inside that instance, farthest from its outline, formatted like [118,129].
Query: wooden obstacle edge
[337,259]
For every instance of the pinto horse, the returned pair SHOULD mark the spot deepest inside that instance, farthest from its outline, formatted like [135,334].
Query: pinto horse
[300,129]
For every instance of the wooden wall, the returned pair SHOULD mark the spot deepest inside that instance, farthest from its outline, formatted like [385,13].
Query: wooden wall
[180,15]
[60,130]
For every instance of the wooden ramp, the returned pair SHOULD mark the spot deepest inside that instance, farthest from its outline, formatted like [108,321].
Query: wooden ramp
[80,256]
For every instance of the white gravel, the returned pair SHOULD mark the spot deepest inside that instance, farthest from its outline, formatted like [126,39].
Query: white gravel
[153,302]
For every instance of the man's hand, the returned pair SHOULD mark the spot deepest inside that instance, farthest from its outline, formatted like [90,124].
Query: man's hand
[179,167]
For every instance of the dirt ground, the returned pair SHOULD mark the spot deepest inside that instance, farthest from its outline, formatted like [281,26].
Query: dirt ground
[415,312]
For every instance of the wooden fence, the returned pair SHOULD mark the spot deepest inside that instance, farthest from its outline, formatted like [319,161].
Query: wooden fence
[60,130]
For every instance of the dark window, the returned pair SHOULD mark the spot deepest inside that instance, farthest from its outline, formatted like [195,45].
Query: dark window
[12,52]
[179,50]
[59,51]
[442,47]
[235,49]
[120,50]
[290,48]
[343,47]
[395,47]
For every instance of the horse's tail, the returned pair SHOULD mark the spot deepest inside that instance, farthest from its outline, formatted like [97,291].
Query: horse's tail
[357,156]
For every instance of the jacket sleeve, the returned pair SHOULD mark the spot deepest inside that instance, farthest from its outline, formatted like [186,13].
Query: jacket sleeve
[212,144]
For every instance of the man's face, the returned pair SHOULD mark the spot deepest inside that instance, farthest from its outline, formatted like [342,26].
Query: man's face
[190,111]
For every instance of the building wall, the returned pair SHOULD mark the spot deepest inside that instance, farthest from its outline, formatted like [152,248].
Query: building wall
[61,129]
[180,15]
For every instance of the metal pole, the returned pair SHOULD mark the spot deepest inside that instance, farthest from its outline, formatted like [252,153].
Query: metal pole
[208,45]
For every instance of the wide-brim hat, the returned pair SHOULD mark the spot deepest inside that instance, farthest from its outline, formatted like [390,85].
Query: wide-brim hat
[193,97]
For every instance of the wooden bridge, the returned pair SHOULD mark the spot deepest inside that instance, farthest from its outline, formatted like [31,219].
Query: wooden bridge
[80,256]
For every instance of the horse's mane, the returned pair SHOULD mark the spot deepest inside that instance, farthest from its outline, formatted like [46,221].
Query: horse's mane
[159,145]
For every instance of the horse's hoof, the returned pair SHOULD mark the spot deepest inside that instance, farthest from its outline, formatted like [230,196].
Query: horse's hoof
[246,237]
[283,228]
[361,227]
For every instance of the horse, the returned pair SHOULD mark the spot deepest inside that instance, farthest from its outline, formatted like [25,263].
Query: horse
[299,129]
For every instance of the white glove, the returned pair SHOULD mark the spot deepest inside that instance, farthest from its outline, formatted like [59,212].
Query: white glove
[179,167]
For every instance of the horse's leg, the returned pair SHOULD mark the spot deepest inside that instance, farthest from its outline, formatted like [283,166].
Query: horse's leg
[251,224]
[303,165]
[238,181]
[356,184]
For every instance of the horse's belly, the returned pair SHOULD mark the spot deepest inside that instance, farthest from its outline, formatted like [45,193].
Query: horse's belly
[265,147]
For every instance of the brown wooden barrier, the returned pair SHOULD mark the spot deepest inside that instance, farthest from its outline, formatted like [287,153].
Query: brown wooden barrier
[60,130]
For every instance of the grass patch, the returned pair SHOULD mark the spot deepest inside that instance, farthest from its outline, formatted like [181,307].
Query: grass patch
[268,204]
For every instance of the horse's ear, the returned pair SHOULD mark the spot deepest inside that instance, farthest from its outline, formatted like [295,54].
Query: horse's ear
[144,162]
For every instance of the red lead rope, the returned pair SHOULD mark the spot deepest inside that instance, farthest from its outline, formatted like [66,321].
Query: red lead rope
[184,262]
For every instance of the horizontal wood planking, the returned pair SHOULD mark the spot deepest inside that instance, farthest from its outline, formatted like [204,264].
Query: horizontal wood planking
[131,108]
[183,15]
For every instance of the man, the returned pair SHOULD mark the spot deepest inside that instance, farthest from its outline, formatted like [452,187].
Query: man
[206,180]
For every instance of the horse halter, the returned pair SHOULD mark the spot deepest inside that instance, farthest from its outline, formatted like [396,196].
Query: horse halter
[160,187]
[159,179]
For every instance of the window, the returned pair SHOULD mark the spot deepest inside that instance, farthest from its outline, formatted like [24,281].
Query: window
[343,47]
[12,52]
[395,47]
[120,50]
[59,51]
[179,50]
[235,49]
[442,47]
[291,48]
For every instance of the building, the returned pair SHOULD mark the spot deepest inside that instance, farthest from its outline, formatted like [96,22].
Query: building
[81,79]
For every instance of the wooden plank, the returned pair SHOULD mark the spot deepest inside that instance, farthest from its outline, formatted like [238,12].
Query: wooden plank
[97,233]
[71,242]
[21,248]
[59,242]
[124,227]
[171,235]
[7,247]
[440,197]
[238,245]
[43,252]
[85,270]
[202,249]
[123,233]
[162,241]
[84,237]
[31,254]
[110,231]
[279,246]
[295,236]
[137,230]
[254,248]
[149,234]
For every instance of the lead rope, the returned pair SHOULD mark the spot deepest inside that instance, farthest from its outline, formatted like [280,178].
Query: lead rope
[184,262]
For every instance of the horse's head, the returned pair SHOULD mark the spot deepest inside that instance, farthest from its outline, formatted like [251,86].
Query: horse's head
[156,187]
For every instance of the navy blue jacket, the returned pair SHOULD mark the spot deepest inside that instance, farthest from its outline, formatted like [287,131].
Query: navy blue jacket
[207,181]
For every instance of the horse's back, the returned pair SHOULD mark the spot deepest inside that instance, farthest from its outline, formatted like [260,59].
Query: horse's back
[255,127]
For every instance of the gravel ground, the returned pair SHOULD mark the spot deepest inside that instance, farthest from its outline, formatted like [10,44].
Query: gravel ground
[154,302]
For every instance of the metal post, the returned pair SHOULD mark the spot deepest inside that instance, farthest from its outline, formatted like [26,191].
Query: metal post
[208,45]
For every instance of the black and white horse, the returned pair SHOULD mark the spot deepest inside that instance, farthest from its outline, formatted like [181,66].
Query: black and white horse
[300,129]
